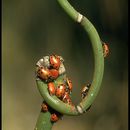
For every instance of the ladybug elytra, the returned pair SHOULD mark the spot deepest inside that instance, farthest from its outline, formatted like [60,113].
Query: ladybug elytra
[66,98]
[51,88]
[44,107]
[85,90]
[53,73]
[105,49]
[55,61]
[43,73]
[60,90]
[69,84]
[54,117]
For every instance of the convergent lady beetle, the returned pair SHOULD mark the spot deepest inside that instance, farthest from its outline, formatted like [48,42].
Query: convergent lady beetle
[69,84]
[43,73]
[53,73]
[54,117]
[55,61]
[85,90]
[60,90]
[105,49]
[66,98]
[51,88]
[44,107]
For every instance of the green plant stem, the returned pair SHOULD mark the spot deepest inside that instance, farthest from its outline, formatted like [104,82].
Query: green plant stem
[53,101]
[98,63]
[43,121]
[97,50]
[98,68]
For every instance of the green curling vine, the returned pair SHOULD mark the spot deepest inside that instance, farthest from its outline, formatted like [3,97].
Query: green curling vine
[54,85]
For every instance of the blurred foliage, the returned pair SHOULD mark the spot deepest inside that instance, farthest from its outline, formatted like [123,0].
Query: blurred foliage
[32,29]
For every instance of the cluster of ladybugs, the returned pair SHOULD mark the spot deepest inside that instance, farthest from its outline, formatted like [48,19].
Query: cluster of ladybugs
[49,68]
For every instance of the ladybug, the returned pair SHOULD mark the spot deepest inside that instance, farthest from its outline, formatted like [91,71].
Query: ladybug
[53,73]
[55,61]
[105,49]
[54,117]
[51,88]
[69,84]
[44,107]
[43,73]
[60,91]
[66,98]
[85,90]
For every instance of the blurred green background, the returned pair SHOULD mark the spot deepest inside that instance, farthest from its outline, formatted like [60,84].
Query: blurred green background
[32,29]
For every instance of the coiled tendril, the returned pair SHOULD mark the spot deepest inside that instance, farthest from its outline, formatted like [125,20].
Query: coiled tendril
[54,85]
